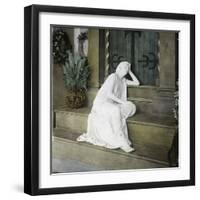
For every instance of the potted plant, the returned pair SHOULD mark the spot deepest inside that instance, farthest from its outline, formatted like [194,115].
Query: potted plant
[76,74]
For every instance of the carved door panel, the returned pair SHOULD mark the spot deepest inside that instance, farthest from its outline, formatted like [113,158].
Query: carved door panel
[140,48]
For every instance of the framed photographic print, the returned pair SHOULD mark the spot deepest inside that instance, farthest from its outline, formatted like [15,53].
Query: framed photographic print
[109,99]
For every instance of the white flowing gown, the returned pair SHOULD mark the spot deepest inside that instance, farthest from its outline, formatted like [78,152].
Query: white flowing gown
[107,120]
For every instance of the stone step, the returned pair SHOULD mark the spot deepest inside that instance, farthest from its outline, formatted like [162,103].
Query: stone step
[143,105]
[146,92]
[65,147]
[148,99]
[151,133]
[144,97]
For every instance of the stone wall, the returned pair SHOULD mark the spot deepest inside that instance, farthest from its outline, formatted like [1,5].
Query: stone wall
[58,87]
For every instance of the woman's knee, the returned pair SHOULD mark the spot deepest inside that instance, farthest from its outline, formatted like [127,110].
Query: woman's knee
[133,109]
[128,109]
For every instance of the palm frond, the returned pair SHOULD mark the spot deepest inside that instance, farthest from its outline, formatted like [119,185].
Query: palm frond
[76,72]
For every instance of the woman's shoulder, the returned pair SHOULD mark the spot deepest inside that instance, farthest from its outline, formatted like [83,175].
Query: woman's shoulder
[111,76]
[114,76]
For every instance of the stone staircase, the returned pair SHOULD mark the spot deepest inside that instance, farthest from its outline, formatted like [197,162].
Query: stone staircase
[65,147]
[142,98]
[152,137]
[149,100]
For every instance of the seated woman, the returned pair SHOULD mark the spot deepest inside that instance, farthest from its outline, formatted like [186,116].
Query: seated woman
[107,121]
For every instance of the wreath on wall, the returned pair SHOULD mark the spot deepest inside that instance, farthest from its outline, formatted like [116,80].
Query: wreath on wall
[61,44]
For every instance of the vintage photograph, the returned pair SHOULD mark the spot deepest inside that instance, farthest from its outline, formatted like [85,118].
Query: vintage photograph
[109,99]
[114,99]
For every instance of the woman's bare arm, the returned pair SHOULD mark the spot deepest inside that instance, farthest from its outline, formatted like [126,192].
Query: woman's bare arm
[115,99]
[134,82]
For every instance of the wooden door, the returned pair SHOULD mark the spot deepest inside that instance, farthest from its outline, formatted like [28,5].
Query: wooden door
[140,48]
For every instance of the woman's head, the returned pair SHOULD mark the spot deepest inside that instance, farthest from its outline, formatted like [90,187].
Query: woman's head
[123,68]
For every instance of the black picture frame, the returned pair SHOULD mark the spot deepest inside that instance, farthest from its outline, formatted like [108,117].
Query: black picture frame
[31,98]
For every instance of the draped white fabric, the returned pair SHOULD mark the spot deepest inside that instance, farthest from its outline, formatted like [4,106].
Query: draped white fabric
[107,120]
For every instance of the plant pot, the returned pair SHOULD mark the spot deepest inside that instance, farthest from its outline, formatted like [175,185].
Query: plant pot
[75,99]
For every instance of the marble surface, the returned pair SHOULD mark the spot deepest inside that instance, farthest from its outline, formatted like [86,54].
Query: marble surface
[66,166]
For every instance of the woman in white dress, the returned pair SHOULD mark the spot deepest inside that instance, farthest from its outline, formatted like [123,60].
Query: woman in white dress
[107,120]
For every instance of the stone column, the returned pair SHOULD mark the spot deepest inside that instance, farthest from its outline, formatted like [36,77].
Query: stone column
[167,60]
[163,101]
[93,56]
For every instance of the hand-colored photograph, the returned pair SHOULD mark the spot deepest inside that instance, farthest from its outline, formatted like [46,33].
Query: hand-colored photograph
[114,99]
